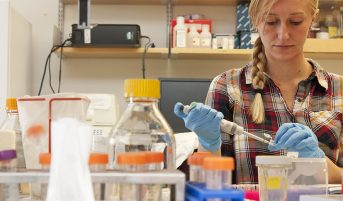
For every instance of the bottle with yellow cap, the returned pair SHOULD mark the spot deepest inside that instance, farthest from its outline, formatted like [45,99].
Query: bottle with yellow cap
[142,126]
[12,123]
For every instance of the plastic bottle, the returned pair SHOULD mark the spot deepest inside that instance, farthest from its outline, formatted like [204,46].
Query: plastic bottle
[205,36]
[195,162]
[331,25]
[193,38]
[98,163]
[142,126]
[8,191]
[12,123]
[180,33]
[44,161]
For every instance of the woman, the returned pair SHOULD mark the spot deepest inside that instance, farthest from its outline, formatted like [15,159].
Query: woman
[280,93]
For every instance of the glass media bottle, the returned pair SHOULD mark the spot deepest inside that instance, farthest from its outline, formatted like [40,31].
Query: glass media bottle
[142,126]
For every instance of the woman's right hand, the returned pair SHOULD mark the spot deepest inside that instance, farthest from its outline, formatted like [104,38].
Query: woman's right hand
[205,122]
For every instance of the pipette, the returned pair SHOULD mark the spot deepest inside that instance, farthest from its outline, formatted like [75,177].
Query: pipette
[232,128]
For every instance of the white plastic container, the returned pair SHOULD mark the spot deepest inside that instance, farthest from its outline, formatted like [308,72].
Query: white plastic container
[193,38]
[307,176]
[205,36]
[180,33]
[272,177]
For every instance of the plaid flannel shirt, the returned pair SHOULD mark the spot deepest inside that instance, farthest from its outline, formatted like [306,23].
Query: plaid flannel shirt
[318,104]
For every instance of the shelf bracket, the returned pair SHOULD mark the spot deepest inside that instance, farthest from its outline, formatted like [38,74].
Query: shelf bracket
[169,12]
[84,7]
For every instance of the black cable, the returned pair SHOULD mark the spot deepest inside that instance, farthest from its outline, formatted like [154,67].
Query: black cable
[47,64]
[146,47]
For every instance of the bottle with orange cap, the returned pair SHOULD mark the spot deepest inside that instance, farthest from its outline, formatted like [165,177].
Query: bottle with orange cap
[142,126]
[12,123]
[132,162]
[218,172]
[195,162]
[153,192]
[98,163]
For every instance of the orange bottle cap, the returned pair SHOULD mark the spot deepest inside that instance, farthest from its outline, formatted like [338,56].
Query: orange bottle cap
[132,158]
[191,160]
[218,163]
[154,157]
[11,104]
[200,156]
[98,158]
[45,158]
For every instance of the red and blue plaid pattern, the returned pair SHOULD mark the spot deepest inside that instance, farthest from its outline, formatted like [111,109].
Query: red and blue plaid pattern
[318,104]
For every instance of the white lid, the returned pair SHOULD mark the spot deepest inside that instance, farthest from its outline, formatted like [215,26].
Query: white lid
[308,160]
[205,27]
[180,20]
[273,160]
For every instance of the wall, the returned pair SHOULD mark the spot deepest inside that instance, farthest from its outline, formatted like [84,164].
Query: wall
[107,75]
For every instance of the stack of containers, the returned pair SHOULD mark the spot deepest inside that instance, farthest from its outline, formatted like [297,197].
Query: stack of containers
[243,26]
[211,178]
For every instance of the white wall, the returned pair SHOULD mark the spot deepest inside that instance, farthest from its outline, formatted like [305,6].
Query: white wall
[107,75]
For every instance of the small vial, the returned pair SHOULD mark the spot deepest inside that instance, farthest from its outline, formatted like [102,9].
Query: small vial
[97,163]
[193,169]
[218,173]
[8,192]
[132,162]
[44,161]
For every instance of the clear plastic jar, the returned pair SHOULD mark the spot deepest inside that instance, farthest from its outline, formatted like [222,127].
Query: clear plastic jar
[132,162]
[218,172]
[98,163]
[272,177]
[8,191]
[44,161]
[142,126]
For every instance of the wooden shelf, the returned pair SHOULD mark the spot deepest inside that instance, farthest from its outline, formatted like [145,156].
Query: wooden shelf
[159,2]
[198,53]
[314,48]
[325,3]
[89,52]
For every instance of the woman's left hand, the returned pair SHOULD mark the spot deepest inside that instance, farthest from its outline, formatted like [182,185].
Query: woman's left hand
[297,138]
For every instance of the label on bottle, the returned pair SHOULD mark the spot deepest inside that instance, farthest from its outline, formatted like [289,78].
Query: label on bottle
[180,38]
[196,42]
[206,42]
[332,31]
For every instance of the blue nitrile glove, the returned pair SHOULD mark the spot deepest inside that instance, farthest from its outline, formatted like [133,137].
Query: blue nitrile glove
[298,138]
[205,122]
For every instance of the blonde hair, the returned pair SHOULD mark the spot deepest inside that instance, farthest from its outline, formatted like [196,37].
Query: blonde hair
[258,9]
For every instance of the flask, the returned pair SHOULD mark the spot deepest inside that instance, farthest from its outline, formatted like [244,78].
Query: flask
[180,33]
[193,38]
[12,123]
[142,126]
[205,36]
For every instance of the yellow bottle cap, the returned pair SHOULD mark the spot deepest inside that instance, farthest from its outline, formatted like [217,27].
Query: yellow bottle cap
[142,88]
[11,104]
